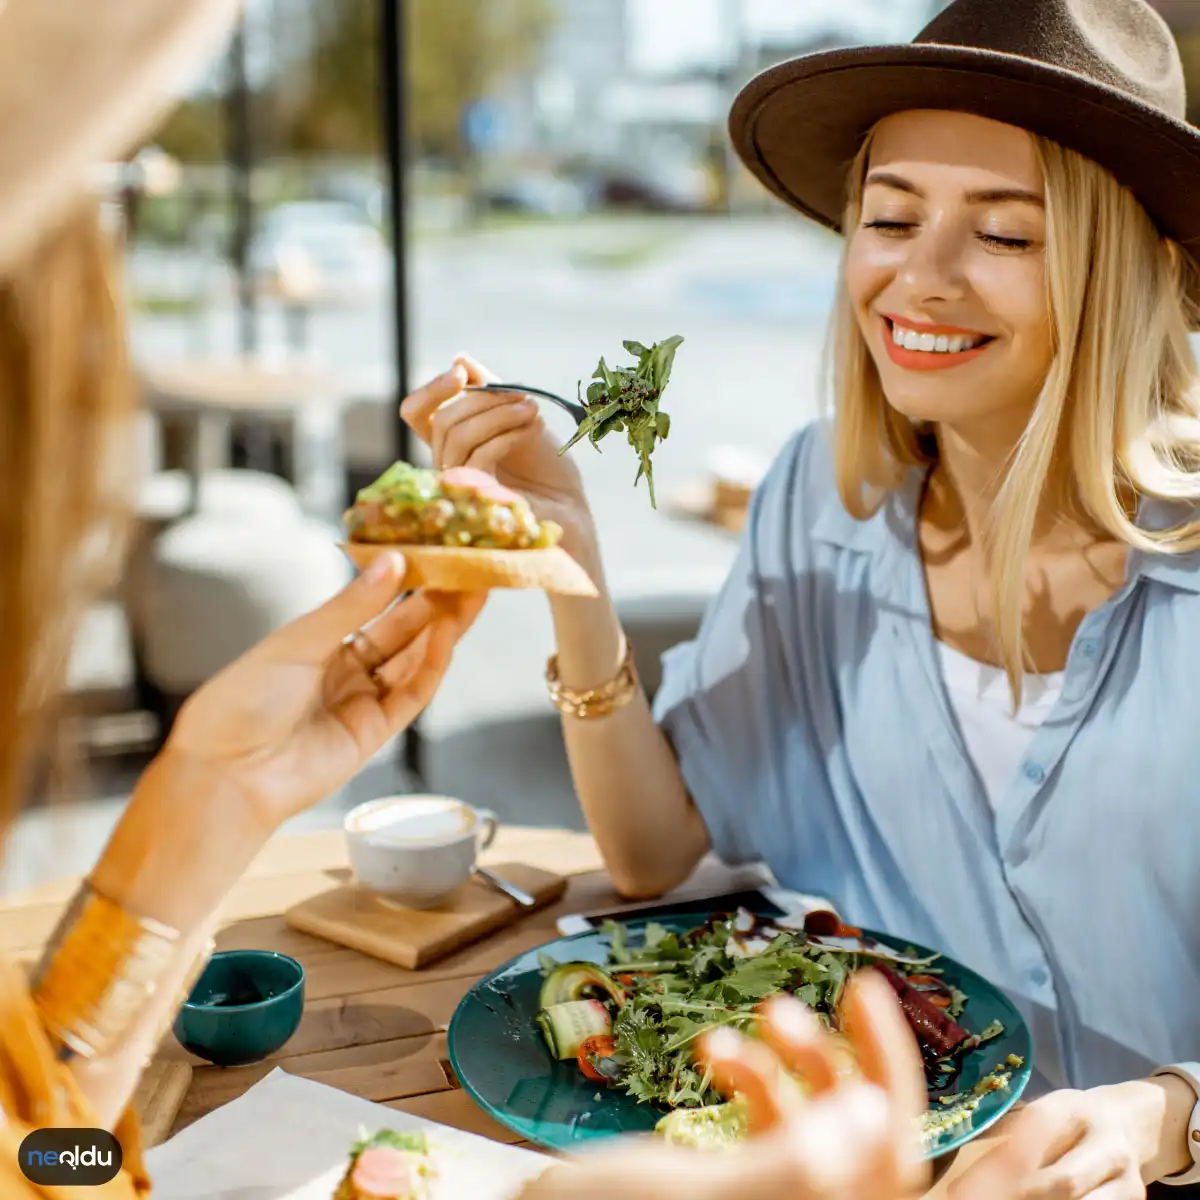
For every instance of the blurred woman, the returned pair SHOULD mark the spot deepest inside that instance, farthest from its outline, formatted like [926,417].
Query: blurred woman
[948,682]
[274,733]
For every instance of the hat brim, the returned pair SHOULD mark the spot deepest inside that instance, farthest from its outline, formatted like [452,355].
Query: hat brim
[81,81]
[798,126]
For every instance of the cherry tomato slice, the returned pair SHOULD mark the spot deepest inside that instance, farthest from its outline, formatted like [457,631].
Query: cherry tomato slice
[602,1046]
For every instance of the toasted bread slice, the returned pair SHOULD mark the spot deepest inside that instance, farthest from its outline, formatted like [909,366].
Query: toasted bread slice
[470,569]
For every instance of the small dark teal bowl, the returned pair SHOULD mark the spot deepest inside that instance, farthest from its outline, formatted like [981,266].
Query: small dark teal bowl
[245,1006]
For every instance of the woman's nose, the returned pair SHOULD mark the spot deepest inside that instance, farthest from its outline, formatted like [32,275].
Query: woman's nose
[933,267]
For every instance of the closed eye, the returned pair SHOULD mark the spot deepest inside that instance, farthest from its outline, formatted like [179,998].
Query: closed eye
[889,227]
[1003,243]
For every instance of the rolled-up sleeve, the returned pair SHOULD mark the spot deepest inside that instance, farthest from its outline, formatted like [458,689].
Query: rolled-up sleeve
[723,702]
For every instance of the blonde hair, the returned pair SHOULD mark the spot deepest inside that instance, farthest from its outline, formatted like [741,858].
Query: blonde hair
[1118,416]
[65,391]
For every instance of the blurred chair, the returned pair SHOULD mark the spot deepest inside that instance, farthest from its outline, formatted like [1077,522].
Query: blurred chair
[164,497]
[210,586]
[201,587]
[110,704]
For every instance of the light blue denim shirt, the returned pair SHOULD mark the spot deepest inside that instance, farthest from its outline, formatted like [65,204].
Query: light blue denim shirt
[814,733]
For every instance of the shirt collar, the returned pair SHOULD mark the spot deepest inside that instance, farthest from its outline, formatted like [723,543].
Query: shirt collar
[891,526]
[1176,570]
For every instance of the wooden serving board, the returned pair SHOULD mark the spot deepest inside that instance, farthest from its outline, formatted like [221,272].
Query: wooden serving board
[159,1097]
[413,938]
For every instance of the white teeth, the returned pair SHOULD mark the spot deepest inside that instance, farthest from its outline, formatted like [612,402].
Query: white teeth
[930,343]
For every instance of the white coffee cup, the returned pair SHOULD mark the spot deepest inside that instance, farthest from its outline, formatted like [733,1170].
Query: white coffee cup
[415,850]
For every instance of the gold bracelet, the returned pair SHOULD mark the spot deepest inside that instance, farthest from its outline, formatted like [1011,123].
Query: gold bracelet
[598,701]
[185,990]
[101,968]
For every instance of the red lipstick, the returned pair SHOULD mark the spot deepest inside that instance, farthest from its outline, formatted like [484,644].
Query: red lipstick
[927,360]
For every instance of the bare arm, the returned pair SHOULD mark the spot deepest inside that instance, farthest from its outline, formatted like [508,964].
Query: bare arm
[184,840]
[625,773]
[272,734]
[626,776]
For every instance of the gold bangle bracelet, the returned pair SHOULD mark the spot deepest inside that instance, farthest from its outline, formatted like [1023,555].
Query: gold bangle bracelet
[101,968]
[185,990]
[590,703]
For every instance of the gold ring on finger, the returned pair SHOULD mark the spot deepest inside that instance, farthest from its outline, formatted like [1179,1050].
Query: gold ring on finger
[369,656]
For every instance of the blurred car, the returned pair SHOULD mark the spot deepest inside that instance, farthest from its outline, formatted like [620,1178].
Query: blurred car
[320,251]
[361,191]
[680,188]
[538,195]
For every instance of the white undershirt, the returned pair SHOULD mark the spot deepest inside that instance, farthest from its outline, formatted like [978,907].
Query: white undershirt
[996,739]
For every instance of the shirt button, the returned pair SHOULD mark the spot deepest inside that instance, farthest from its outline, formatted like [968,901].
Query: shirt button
[1038,976]
[1034,772]
[1089,647]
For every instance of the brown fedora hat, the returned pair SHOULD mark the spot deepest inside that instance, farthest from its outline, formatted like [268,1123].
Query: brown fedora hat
[1102,77]
[82,81]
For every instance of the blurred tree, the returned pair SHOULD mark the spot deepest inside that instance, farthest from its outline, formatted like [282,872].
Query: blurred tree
[194,133]
[332,105]
[459,52]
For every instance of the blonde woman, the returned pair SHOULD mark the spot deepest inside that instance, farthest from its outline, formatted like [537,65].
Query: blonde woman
[949,681]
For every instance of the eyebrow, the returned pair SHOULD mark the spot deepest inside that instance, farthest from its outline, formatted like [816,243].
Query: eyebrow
[985,196]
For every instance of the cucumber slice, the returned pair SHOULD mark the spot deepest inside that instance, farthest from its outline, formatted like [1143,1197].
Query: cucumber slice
[580,981]
[567,1026]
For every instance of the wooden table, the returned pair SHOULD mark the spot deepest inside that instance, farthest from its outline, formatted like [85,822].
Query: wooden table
[209,396]
[370,1028]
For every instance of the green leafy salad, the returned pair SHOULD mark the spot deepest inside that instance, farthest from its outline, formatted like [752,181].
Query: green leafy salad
[629,398]
[632,1023]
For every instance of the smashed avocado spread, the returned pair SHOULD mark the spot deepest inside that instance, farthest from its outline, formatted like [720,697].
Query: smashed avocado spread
[713,1127]
[459,507]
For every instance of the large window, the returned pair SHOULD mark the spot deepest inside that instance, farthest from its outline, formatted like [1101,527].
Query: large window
[569,187]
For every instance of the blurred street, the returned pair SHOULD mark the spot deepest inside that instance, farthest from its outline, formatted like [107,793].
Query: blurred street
[540,304]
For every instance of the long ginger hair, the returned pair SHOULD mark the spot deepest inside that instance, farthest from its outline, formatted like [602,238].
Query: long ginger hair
[65,399]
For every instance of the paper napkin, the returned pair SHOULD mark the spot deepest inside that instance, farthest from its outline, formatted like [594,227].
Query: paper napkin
[288,1138]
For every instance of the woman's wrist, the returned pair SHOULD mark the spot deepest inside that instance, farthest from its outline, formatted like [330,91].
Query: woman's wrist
[579,537]
[187,835]
[109,1081]
[587,631]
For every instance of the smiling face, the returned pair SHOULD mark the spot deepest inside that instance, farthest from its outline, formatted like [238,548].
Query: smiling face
[946,270]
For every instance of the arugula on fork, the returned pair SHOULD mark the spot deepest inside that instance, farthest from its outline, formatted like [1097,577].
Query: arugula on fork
[628,398]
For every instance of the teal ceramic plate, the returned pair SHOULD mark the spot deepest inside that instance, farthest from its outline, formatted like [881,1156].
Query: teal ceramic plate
[500,1058]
